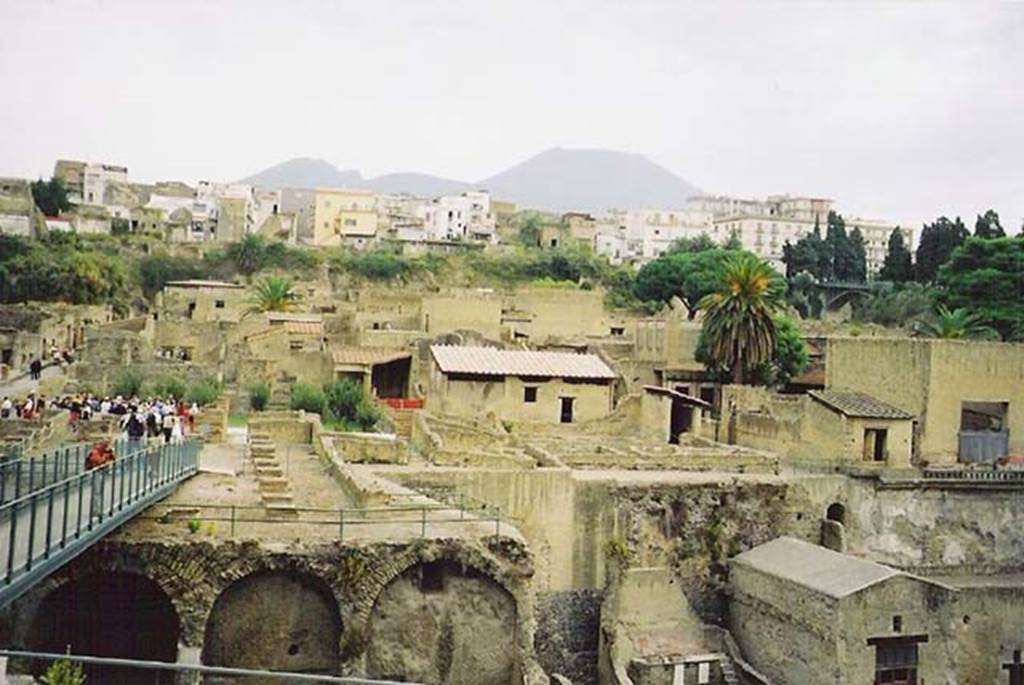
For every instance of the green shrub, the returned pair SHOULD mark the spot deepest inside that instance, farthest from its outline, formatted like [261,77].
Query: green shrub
[376,265]
[64,672]
[309,398]
[128,384]
[169,386]
[349,405]
[194,524]
[204,393]
[259,396]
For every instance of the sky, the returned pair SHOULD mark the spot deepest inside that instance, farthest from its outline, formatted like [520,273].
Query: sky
[897,110]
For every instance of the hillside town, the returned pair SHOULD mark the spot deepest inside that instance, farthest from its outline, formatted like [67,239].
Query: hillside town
[738,441]
[524,342]
[102,200]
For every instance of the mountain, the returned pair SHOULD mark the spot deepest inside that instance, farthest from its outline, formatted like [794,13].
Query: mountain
[424,185]
[305,172]
[563,179]
[558,179]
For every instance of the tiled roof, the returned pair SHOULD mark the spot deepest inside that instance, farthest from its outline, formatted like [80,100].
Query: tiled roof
[681,396]
[491,361]
[859,405]
[367,356]
[304,327]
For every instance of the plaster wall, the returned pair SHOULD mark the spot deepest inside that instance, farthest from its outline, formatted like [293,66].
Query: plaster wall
[464,311]
[505,397]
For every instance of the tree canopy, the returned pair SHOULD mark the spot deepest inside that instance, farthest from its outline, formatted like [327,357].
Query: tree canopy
[987,226]
[738,329]
[690,276]
[938,240]
[60,268]
[840,256]
[897,266]
[51,197]
[986,277]
[274,294]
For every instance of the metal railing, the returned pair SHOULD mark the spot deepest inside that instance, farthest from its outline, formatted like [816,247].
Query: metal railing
[156,667]
[239,520]
[51,523]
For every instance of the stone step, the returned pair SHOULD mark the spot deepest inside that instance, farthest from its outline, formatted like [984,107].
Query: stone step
[272,484]
[278,497]
[281,511]
[262,464]
[269,472]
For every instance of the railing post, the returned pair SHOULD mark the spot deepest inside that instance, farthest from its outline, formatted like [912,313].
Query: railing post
[17,478]
[462,506]
[232,520]
[31,473]
[423,522]
[49,522]
[341,525]
[497,524]
[64,516]
[81,488]
[11,542]
[31,530]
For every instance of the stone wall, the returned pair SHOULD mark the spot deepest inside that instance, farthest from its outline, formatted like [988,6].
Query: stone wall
[566,641]
[359,581]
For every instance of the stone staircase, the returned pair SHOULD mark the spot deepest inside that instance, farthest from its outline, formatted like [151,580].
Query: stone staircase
[403,420]
[280,398]
[275,489]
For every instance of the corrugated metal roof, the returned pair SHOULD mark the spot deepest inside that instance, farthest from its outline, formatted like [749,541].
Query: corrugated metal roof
[491,361]
[822,570]
[367,356]
[859,405]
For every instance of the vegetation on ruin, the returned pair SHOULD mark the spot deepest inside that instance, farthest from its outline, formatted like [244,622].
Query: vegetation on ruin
[788,359]
[204,393]
[64,672]
[168,386]
[342,405]
[128,384]
[738,329]
[273,294]
[259,396]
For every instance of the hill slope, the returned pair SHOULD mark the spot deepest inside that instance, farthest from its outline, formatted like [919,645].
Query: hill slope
[562,179]
[305,172]
[558,179]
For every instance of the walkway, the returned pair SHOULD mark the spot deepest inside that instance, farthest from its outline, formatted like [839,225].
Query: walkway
[223,502]
[54,510]
[23,385]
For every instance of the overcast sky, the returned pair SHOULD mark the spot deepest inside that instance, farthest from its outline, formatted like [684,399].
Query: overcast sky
[899,110]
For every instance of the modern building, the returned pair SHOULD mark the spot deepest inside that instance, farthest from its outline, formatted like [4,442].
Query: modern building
[466,216]
[97,178]
[520,385]
[344,217]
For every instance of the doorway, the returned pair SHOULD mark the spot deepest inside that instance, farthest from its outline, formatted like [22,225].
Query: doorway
[874,444]
[680,421]
[566,414]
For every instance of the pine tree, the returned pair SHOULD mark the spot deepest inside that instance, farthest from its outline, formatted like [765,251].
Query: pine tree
[938,240]
[988,226]
[858,259]
[896,267]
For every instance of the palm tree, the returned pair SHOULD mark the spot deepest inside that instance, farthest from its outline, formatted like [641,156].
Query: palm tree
[273,294]
[958,324]
[738,328]
[248,253]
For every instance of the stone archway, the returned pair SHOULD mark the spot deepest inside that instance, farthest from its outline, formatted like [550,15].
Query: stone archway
[280,620]
[115,614]
[441,623]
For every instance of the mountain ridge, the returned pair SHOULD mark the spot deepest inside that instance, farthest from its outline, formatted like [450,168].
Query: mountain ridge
[557,179]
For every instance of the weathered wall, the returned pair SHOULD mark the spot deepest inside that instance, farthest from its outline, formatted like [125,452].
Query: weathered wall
[468,310]
[988,625]
[566,640]
[505,398]
[439,623]
[788,632]
[931,378]
[925,609]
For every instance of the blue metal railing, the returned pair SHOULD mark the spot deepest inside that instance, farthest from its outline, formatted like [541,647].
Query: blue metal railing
[60,516]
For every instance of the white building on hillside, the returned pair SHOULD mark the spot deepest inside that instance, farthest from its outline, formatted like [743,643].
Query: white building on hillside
[97,176]
[459,217]
[640,235]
